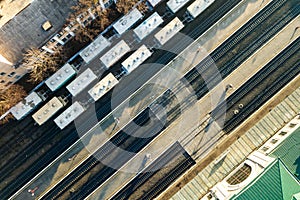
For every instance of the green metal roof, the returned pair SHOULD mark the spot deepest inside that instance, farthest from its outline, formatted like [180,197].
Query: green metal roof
[275,183]
[289,152]
[296,196]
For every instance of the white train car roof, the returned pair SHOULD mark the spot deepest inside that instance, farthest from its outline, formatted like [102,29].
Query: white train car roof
[81,82]
[153,3]
[169,31]
[60,77]
[176,5]
[95,48]
[148,25]
[123,24]
[115,53]
[69,115]
[23,108]
[103,86]
[136,59]
[197,7]
[48,110]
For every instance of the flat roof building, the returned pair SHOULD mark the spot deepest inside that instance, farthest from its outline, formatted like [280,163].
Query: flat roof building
[9,74]
[25,29]
[22,28]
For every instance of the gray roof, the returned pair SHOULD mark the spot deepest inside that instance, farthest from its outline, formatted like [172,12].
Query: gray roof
[25,29]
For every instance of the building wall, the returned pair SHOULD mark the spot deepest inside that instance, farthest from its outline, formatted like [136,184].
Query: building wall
[25,30]
[9,75]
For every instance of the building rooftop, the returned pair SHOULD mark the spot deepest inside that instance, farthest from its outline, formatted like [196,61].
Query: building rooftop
[215,173]
[276,182]
[10,8]
[296,196]
[24,29]
[289,152]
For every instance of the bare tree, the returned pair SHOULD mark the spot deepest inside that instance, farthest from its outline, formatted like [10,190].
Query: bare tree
[42,64]
[10,97]
[103,17]
[87,7]
[88,31]
[124,6]
[83,6]
[86,34]
[142,6]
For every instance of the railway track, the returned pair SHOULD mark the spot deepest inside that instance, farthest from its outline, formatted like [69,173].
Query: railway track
[72,136]
[235,40]
[109,151]
[168,56]
[282,80]
[240,57]
[194,76]
[269,70]
[161,163]
[272,30]
[248,94]
[256,80]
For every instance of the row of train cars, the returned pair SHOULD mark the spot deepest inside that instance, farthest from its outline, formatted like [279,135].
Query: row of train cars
[84,79]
